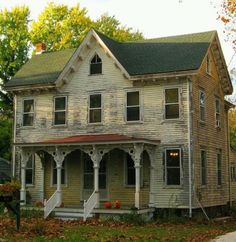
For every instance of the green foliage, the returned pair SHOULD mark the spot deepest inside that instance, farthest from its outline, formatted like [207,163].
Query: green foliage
[14,47]
[60,27]
[112,28]
[5,137]
[32,213]
[134,218]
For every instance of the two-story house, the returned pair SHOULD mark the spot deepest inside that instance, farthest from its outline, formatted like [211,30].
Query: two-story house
[143,122]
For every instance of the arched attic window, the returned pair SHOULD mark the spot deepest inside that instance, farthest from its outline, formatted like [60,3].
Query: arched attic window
[95,65]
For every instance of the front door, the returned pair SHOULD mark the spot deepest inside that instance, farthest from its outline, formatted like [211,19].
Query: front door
[88,178]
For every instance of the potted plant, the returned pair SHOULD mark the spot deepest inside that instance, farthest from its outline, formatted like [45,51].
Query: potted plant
[9,190]
[117,204]
[108,205]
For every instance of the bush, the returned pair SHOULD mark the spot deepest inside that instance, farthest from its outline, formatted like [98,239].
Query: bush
[134,218]
[31,213]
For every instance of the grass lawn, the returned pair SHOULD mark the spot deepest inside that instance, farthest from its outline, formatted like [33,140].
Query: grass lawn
[37,229]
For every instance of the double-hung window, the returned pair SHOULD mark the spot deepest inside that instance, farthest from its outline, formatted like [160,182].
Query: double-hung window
[95,108]
[28,112]
[60,108]
[203,160]
[202,105]
[219,167]
[172,103]
[29,171]
[133,106]
[217,112]
[95,65]
[130,171]
[173,166]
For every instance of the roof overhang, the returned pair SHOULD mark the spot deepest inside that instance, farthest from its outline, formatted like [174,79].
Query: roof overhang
[90,139]
[31,87]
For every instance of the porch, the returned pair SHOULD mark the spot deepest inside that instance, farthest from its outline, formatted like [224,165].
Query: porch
[94,168]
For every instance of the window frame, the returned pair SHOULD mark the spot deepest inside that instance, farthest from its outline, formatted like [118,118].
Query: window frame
[219,174]
[203,178]
[202,108]
[26,113]
[32,157]
[233,173]
[133,106]
[61,110]
[97,63]
[90,109]
[168,104]
[217,113]
[179,167]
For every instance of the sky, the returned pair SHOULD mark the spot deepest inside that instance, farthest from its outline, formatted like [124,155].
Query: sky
[154,18]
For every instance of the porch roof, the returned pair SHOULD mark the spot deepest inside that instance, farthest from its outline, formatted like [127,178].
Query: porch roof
[88,139]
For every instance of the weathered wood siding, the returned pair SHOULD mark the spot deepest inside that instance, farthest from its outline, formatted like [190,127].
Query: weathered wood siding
[207,136]
[233,175]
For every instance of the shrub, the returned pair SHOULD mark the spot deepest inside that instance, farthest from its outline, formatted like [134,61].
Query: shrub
[133,218]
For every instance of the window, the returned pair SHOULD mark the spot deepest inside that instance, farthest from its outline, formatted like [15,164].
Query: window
[208,65]
[60,106]
[95,65]
[217,112]
[233,173]
[54,175]
[219,167]
[172,166]
[202,100]
[89,174]
[95,108]
[203,160]
[172,103]
[130,171]
[28,112]
[132,106]
[29,171]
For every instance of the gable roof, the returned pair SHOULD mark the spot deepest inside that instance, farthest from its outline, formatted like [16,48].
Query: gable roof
[154,56]
[161,55]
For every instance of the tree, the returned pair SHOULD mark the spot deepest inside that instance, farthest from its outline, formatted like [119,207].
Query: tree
[228,17]
[14,47]
[232,127]
[5,137]
[112,28]
[60,27]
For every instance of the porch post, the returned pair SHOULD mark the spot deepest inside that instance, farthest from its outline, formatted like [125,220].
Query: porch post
[24,159]
[96,177]
[136,156]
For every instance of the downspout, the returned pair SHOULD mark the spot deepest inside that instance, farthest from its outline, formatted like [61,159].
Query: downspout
[228,154]
[14,139]
[189,102]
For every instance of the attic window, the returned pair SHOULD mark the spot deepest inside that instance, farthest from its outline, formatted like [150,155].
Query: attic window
[95,65]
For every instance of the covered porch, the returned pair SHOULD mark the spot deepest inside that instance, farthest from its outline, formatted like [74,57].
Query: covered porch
[85,171]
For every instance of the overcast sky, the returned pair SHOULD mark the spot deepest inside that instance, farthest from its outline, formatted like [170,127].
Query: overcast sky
[154,18]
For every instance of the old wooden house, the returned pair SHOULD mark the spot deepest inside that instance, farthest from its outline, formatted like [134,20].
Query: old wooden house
[144,123]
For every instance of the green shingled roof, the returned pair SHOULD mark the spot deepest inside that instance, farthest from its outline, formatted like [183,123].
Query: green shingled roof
[153,56]
[162,55]
[42,69]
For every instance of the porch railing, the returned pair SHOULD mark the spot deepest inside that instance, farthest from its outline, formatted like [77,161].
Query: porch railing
[90,204]
[52,202]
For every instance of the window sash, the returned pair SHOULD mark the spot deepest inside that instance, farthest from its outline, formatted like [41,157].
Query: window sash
[29,171]
[172,108]
[95,110]
[202,105]
[60,112]
[217,112]
[219,169]
[95,65]
[130,171]
[28,114]
[133,107]
[173,171]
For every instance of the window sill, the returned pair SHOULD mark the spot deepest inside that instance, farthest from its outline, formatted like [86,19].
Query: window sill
[59,126]
[134,122]
[95,124]
[97,74]
[172,187]
[202,123]
[177,120]
[29,185]
[27,127]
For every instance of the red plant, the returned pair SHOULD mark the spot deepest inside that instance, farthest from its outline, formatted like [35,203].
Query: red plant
[39,204]
[108,205]
[117,204]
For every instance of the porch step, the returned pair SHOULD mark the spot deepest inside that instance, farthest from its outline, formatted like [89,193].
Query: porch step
[69,215]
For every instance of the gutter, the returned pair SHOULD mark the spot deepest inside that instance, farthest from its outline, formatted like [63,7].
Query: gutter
[189,101]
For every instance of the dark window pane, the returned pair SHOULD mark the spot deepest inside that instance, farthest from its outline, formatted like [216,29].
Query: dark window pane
[95,101]
[28,119]
[217,106]
[29,176]
[172,111]
[130,171]
[60,118]
[95,116]
[102,166]
[172,95]
[60,103]
[133,113]
[88,181]
[173,176]
[102,181]
[202,113]
[173,158]
[132,98]
[88,165]
[95,68]
[29,105]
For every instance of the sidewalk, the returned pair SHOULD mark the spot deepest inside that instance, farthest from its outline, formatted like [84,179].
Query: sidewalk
[230,237]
